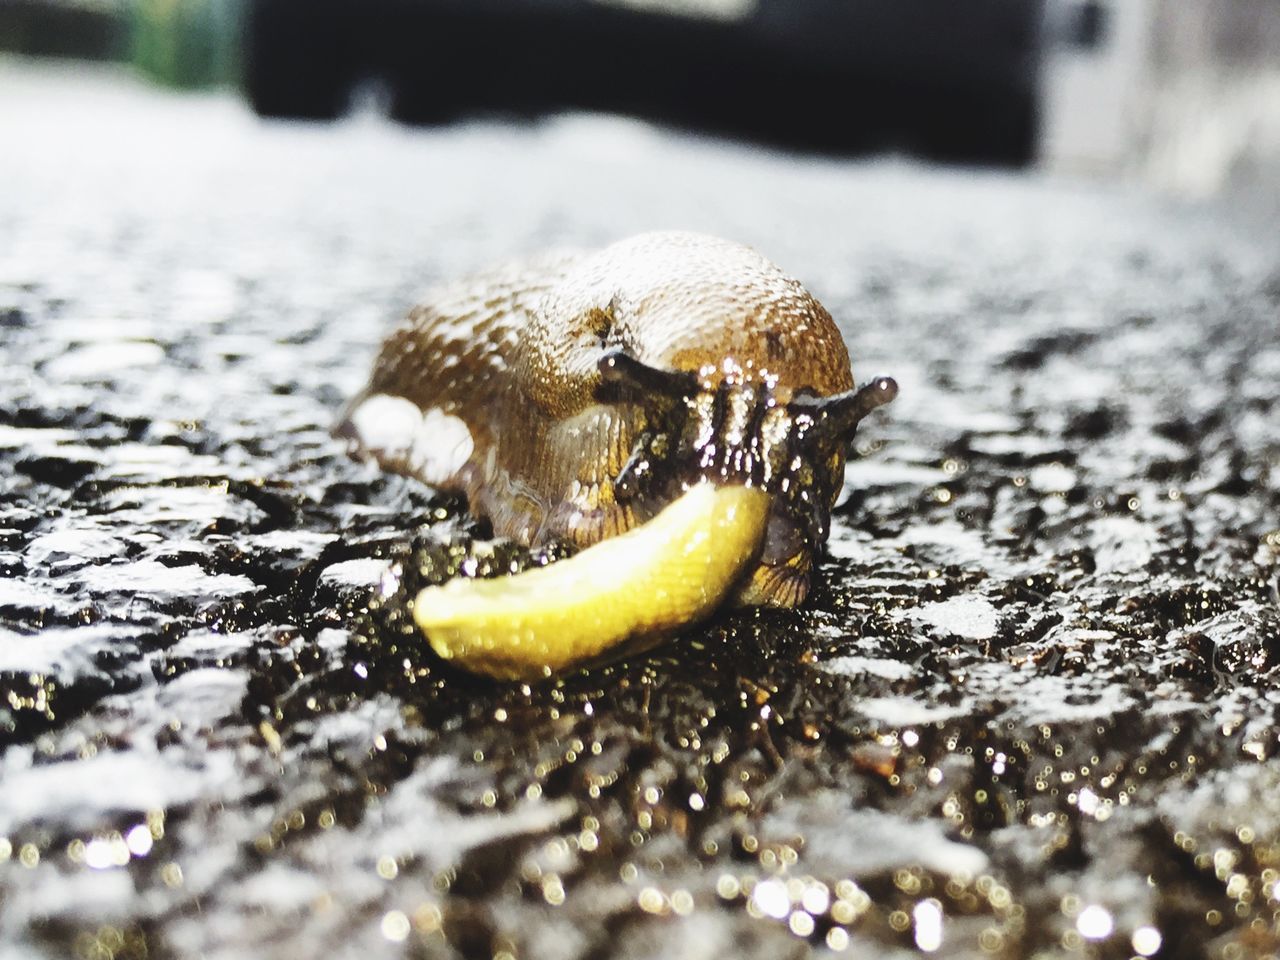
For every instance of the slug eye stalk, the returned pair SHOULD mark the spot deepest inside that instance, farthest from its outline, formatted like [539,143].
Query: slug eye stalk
[836,417]
[619,368]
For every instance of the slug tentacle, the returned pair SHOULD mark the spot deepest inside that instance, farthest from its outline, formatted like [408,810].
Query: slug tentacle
[619,368]
[836,417]
[576,396]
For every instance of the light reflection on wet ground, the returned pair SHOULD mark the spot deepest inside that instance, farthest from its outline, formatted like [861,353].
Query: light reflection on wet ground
[1032,707]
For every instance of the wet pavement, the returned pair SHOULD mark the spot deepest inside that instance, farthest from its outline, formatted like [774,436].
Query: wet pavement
[1031,708]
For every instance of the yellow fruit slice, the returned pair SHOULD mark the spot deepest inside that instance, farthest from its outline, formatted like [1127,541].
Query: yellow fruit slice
[618,596]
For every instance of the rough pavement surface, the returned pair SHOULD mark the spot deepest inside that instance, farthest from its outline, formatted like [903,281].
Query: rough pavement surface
[1030,710]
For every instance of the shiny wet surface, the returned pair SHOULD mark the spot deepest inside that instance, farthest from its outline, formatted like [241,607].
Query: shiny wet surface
[1030,708]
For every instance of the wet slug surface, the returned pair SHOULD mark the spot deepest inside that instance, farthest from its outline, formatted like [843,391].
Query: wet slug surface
[1030,709]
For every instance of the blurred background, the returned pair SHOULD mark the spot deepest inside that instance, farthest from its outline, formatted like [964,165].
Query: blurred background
[1183,94]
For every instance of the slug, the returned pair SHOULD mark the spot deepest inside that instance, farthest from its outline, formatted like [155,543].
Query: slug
[575,396]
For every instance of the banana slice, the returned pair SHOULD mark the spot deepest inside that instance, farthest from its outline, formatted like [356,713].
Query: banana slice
[618,596]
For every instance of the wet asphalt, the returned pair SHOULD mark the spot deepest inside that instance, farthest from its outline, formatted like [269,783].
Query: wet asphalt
[1030,710]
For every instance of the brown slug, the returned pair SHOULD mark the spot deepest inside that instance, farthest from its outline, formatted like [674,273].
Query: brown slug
[574,396]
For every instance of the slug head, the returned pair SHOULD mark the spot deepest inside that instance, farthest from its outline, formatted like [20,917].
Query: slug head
[738,430]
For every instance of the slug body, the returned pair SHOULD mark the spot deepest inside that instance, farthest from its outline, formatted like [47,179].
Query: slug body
[575,396]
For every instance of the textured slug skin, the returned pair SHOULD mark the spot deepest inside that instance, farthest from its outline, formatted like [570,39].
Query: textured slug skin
[493,388]
[621,595]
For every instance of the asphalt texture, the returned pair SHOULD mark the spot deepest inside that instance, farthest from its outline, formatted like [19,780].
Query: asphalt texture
[1030,709]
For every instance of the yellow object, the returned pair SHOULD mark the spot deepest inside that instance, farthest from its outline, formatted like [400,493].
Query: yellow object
[620,595]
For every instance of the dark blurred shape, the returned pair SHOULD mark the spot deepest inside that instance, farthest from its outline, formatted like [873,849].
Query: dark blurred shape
[39,28]
[1078,24]
[1091,24]
[946,79]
